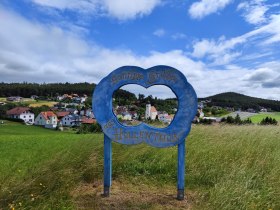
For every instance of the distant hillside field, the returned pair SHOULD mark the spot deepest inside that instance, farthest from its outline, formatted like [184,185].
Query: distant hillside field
[236,100]
[258,117]
[228,167]
[42,103]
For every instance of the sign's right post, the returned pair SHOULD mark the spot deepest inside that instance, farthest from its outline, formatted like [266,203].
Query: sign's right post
[181,171]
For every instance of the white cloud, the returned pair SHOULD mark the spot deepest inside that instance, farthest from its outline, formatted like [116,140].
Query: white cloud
[266,76]
[119,9]
[254,11]
[35,52]
[223,51]
[127,9]
[220,52]
[260,75]
[200,9]
[32,50]
[159,32]
[81,5]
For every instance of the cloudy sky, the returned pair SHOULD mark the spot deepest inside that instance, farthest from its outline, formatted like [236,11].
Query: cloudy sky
[220,45]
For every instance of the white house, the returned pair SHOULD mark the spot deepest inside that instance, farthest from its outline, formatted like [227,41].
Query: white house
[126,116]
[34,97]
[263,110]
[88,113]
[47,119]
[23,113]
[71,120]
[83,99]
[200,113]
[14,98]
[134,114]
[60,98]
[151,112]
[72,110]
[164,117]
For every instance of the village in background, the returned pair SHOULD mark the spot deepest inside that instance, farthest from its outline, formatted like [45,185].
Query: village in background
[74,110]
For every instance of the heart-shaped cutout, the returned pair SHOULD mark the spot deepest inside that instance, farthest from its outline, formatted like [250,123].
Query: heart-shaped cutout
[155,106]
[158,75]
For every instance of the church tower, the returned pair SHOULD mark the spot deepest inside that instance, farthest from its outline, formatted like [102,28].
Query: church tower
[148,111]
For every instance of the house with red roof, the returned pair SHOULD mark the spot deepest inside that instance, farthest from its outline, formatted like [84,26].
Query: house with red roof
[23,113]
[165,117]
[87,120]
[46,119]
[61,114]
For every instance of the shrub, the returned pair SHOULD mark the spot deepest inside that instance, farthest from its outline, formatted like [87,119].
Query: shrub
[89,128]
[206,121]
[268,121]
[237,120]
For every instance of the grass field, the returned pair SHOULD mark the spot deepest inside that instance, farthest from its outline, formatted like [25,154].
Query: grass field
[228,167]
[42,103]
[258,117]
[31,102]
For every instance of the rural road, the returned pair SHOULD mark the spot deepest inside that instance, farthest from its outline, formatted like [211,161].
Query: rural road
[243,115]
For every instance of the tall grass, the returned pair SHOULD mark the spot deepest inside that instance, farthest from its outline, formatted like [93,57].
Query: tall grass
[228,167]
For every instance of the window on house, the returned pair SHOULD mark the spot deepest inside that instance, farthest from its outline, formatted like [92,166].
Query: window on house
[24,116]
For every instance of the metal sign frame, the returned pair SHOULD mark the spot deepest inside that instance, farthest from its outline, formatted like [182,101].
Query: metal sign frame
[174,134]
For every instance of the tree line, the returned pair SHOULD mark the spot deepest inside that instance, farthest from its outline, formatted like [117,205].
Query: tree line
[46,89]
[51,90]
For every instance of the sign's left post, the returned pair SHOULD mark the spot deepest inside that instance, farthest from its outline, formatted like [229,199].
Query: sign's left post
[107,165]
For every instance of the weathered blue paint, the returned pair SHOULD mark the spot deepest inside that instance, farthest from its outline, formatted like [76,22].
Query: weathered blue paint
[107,165]
[181,170]
[172,135]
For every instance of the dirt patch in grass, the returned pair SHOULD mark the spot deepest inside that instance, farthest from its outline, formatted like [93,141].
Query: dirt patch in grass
[128,196]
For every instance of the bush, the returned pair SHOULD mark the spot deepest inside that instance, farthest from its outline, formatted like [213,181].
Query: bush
[268,121]
[206,121]
[237,120]
[247,121]
[89,128]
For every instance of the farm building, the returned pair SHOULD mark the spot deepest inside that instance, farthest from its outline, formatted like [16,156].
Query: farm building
[23,113]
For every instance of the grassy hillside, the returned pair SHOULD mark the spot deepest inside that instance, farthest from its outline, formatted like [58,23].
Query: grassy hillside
[231,99]
[228,167]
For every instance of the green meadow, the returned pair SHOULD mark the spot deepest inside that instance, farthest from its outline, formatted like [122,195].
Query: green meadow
[258,117]
[228,167]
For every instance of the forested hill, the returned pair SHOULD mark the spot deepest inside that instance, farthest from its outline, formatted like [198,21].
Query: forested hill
[52,89]
[236,100]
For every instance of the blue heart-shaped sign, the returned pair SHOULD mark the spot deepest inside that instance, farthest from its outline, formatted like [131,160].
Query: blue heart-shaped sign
[172,135]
